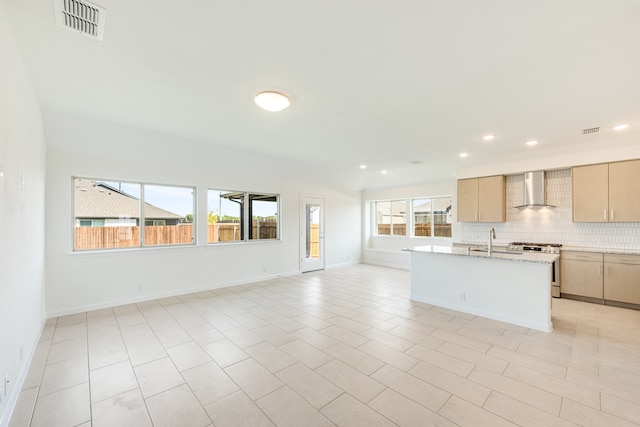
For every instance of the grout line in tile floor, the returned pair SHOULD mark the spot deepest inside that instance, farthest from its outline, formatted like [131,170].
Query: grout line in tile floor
[336,347]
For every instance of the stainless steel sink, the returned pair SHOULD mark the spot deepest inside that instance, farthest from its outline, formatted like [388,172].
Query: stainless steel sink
[495,251]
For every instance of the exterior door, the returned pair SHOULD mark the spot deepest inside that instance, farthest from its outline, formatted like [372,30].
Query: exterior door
[311,234]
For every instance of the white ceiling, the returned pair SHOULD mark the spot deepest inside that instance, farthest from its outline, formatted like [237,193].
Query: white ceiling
[376,82]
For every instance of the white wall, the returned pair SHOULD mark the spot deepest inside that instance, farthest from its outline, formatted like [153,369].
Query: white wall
[22,159]
[79,146]
[387,250]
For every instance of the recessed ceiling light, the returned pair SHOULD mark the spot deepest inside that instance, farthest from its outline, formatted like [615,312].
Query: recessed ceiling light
[620,127]
[363,166]
[464,155]
[272,101]
[383,172]
[488,137]
[532,142]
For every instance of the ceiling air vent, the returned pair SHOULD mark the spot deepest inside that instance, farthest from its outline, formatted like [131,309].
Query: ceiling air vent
[590,130]
[80,16]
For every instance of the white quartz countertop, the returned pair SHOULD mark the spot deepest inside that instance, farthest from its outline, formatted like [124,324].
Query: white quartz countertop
[619,251]
[601,250]
[460,251]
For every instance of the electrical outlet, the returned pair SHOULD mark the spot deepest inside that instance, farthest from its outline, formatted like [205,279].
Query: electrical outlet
[463,296]
[140,287]
[6,384]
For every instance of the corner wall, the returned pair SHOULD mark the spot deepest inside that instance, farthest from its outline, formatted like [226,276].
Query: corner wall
[22,265]
[80,281]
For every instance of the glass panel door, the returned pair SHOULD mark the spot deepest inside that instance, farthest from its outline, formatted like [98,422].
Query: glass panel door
[312,235]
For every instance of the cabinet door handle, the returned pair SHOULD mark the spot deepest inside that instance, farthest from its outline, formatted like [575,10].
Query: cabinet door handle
[605,214]
[479,216]
[600,270]
[611,214]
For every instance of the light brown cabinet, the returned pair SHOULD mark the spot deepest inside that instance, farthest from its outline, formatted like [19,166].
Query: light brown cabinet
[612,278]
[581,274]
[482,199]
[622,278]
[607,192]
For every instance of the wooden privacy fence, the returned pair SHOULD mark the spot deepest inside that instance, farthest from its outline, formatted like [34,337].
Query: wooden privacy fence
[313,250]
[420,230]
[230,232]
[222,232]
[129,236]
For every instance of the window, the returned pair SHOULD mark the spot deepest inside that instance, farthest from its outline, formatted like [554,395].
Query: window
[442,217]
[421,217]
[110,214]
[263,210]
[429,217]
[230,211]
[391,218]
[224,215]
[383,218]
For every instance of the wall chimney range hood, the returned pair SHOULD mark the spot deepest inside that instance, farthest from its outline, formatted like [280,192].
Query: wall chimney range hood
[534,190]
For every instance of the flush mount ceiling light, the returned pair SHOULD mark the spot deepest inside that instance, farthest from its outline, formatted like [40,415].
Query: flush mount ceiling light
[532,143]
[463,155]
[363,166]
[620,127]
[488,137]
[383,172]
[272,101]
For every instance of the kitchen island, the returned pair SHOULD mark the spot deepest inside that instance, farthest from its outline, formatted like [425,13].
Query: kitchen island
[510,287]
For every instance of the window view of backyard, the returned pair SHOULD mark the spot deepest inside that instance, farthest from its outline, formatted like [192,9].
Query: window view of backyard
[227,211]
[117,214]
[110,214]
[428,217]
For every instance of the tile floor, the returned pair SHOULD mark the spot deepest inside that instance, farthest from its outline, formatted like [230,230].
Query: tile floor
[339,347]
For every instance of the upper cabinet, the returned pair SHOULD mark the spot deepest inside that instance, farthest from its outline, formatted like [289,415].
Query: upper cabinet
[607,192]
[482,199]
[590,193]
[624,191]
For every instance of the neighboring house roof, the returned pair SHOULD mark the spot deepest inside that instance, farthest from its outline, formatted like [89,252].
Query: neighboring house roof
[440,204]
[94,199]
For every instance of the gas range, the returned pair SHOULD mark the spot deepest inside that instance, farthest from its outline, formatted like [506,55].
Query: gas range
[546,248]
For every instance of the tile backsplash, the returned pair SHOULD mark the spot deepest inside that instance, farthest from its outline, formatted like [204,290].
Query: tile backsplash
[552,225]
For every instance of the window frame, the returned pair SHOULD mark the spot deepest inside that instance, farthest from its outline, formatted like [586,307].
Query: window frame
[410,217]
[246,217]
[141,219]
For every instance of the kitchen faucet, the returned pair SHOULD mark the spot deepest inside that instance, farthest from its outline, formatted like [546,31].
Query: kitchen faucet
[492,235]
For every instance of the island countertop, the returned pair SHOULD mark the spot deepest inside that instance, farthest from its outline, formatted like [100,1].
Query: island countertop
[497,254]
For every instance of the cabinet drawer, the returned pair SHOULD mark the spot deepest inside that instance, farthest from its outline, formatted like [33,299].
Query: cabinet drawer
[622,259]
[581,256]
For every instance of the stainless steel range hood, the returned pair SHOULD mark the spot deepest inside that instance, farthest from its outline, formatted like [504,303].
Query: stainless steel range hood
[534,190]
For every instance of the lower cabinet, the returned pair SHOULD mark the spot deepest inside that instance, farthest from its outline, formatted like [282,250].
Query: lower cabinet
[622,278]
[581,274]
[606,277]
